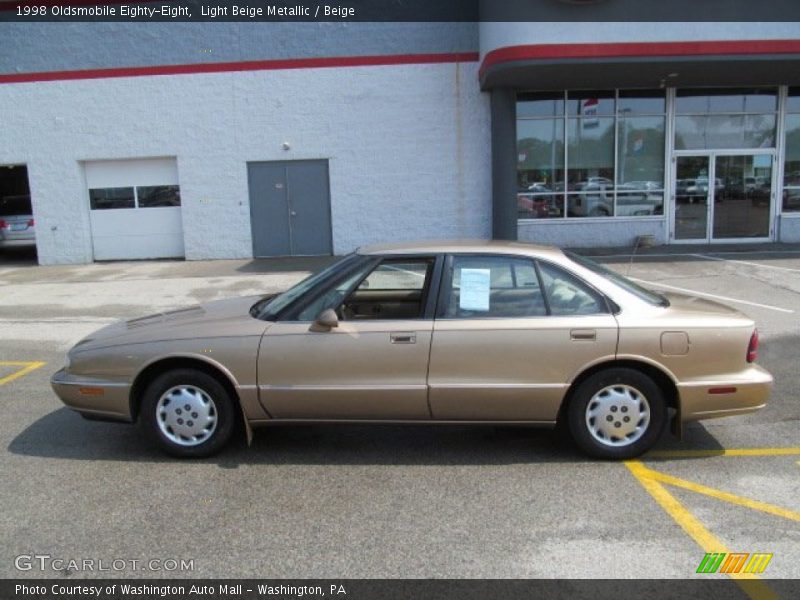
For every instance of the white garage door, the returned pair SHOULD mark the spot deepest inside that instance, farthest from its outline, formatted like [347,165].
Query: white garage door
[135,208]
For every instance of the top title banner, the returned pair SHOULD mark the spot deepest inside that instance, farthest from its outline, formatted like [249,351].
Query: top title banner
[241,10]
[399,10]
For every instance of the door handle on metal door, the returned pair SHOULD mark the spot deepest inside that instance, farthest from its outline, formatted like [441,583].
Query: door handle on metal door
[583,335]
[403,337]
[294,214]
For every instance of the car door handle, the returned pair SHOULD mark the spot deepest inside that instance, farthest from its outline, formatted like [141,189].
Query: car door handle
[583,335]
[403,337]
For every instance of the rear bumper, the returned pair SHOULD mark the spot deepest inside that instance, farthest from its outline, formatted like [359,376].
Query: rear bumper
[18,242]
[746,392]
[93,398]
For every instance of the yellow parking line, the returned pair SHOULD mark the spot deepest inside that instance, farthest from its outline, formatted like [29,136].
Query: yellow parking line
[724,452]
[750,584]
[28,366]
[720,495]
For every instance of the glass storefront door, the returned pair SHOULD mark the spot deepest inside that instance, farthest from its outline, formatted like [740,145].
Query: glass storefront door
[722,196]
[690,209]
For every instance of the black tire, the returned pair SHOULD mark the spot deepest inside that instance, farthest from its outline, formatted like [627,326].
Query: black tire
[625,383]
[204,387]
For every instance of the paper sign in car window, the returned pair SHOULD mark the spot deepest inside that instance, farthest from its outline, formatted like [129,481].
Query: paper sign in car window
[475,289]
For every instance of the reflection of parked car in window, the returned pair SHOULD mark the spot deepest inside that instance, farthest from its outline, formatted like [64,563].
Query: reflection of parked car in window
[537,202]
[604,181]
[639,198]
[791,199]
[719,187]
[16,222]
[693,189]
[595,198]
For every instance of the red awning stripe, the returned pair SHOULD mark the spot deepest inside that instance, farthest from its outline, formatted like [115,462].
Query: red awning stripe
[250,65]
[637,49]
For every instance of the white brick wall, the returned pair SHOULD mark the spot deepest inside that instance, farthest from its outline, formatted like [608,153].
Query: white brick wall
[587,233]
[409,149]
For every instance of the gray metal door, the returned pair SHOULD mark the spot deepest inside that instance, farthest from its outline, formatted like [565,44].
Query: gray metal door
[290,207]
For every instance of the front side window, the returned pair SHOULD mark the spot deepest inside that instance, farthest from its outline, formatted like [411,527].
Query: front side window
[391,290]
[395,289]
[493,286]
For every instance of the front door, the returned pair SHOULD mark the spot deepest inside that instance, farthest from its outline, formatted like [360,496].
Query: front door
[372,365]
[722,197]
[290,208]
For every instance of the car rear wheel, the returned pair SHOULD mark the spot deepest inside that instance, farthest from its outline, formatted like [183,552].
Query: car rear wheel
[617,414]
[188,413]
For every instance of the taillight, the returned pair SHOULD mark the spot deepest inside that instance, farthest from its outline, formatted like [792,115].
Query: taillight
[30,223]
[752,348]
[3,224]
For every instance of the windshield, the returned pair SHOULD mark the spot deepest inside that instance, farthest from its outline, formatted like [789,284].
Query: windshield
[629,286]
[268,308]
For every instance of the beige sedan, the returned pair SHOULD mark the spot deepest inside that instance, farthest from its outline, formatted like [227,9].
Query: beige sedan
[466,332]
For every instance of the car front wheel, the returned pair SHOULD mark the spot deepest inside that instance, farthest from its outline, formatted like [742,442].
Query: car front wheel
[188,413]
[617,414]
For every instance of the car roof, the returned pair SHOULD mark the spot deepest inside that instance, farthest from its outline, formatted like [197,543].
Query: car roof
[462,247]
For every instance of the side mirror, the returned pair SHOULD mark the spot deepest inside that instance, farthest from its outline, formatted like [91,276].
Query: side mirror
[326,321]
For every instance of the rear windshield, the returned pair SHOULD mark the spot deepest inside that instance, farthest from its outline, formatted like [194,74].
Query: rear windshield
[640,292]
[12,206]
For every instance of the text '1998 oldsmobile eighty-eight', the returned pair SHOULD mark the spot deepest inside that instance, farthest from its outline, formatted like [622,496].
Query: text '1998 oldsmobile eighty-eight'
[464,332]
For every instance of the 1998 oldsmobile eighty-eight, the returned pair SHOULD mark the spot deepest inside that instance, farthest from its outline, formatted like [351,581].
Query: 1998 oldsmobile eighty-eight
[467,332]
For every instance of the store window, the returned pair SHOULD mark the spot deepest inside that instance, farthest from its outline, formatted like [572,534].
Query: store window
[791,165]
[725,118]
[590,154]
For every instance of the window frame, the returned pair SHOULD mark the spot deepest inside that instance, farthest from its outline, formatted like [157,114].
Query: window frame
[135,188]
[446,281]
[782,151]
[370,263]
[618,117]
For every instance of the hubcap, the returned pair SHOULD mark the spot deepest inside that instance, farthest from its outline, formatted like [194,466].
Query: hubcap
[186,415]
[618,415]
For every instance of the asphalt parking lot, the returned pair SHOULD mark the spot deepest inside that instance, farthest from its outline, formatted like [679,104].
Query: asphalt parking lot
[384,501]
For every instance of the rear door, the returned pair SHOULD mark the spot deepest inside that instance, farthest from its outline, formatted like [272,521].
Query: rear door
[510,334]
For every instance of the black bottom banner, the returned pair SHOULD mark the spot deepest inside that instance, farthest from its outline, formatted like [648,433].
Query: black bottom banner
[358,589]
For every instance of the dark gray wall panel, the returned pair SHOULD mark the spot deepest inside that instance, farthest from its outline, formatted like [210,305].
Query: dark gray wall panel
[504,164]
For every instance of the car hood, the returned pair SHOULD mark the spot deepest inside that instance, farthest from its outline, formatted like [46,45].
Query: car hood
[212,319]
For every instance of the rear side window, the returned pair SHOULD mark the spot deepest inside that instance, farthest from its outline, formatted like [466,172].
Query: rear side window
[568,295]
[494,286]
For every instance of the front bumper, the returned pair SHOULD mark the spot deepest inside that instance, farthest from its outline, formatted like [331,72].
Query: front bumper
[93,398]
[744,393]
